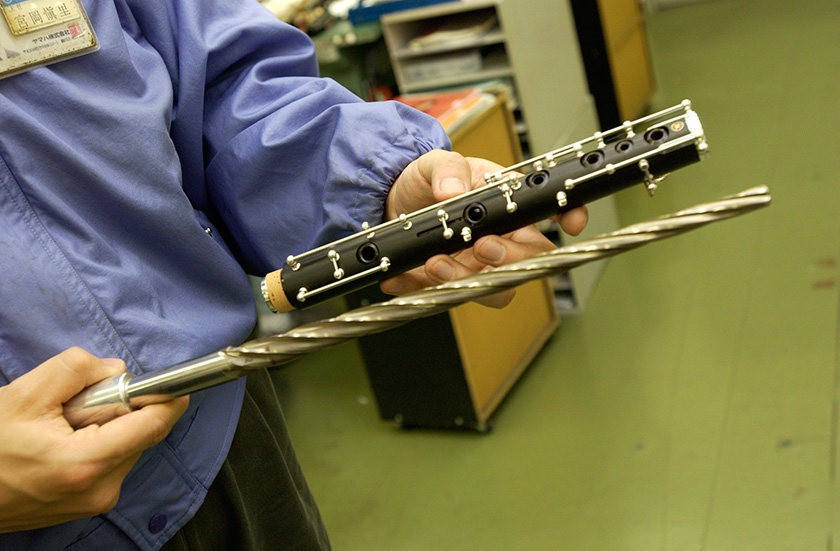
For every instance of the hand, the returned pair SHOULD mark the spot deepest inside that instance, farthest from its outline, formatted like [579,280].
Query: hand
[50,473]
[441,175]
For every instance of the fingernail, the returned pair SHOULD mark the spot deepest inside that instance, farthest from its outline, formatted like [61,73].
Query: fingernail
[493,251]
[452,185]
[442,270]
[115,363]
[391,287]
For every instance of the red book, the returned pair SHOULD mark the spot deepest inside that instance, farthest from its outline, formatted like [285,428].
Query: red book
[450,108]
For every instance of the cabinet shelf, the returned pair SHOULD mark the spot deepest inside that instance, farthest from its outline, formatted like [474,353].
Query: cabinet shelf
[447,82]
[489,39]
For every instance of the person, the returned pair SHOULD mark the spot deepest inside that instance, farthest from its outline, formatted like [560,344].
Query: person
[138,186]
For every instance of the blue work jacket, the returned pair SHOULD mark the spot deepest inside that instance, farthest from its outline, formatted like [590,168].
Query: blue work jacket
[138,186]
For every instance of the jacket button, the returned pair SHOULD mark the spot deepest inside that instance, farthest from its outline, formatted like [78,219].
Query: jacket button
[157,523]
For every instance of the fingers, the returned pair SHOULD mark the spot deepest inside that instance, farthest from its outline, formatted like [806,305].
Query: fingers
[490,250]
[63,376]
[441,269]
[102,456]
[438,270]
[574,221]
[434,177]
[441,175]
[43,391]
[407,282]
[449,173]
[494,250]
[132,433]
[50,473]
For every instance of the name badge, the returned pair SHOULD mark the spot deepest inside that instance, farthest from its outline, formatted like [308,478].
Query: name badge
[41,32]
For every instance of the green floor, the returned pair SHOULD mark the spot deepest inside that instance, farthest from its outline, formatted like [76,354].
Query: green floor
[694,404]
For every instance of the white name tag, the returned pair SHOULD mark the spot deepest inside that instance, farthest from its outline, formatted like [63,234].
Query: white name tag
[41,32]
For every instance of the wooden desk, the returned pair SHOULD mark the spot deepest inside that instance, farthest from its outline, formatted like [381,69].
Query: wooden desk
[490,136]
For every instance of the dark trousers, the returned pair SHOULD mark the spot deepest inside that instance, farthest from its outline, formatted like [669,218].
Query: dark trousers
[260,500]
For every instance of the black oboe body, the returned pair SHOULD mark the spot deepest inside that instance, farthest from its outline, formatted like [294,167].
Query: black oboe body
[643,151]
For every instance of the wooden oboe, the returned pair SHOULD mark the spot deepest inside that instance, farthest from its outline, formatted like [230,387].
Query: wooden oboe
[642,151]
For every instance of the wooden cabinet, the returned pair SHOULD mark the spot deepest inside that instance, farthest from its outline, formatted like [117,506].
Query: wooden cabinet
[489,136]
[452,370]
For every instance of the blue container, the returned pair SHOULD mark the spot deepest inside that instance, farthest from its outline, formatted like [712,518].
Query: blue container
[365,14]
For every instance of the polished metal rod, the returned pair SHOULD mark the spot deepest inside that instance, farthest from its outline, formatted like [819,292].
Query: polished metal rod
[113,397]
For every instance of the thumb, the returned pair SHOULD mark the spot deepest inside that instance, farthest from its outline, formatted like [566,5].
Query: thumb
[63,376]
[448,172]
[436,176]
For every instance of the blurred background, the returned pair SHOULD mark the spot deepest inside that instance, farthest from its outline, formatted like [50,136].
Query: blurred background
[682,396]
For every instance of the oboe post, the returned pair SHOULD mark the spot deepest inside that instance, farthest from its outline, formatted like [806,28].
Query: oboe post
[643,152]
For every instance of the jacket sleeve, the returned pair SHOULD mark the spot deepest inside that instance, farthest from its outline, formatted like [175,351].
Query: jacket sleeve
[285,160]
